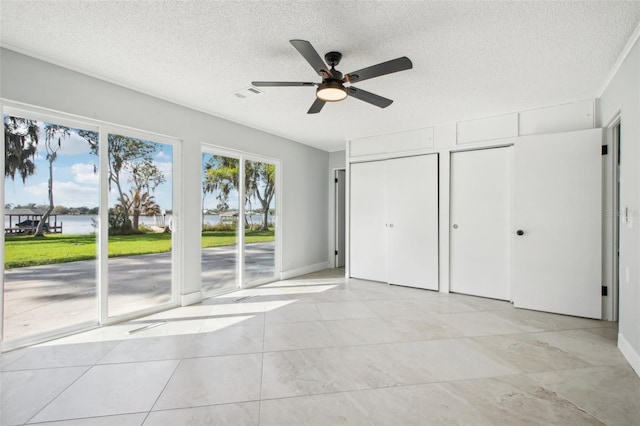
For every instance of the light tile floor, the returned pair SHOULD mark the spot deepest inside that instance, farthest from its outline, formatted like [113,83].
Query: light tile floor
[322,350]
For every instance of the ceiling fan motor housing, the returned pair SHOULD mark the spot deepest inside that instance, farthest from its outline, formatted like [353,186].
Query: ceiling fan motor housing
[333,58]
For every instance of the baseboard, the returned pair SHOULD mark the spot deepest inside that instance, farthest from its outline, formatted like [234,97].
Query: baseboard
[629,353]
[191,298]
[285,275]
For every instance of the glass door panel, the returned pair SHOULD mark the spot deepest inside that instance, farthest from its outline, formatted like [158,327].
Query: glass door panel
[259,221]
[220,207]
[51,197]
[140,224]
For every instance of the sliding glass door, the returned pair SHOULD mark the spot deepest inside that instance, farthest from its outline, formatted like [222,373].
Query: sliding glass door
[259,230]
[51,198]
[88,225]
[239,221]
[220,224]
[140,224]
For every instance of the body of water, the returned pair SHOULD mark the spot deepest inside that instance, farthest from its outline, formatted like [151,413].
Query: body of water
[83,224]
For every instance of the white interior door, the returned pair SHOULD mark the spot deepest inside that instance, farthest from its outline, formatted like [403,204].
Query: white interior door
[480,223]
[412,209]
[557,208]
[367,231]
[340,181]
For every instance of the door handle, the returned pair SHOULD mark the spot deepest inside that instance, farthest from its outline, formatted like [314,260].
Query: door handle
[520,232]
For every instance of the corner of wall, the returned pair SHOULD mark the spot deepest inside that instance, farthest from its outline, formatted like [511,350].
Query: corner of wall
[629,353]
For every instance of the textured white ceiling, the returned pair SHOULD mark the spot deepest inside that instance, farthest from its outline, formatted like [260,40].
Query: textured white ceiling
[471,59]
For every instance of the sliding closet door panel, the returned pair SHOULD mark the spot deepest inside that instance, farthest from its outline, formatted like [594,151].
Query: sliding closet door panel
[558,207]
[412,208]
[480,222]
[367,221]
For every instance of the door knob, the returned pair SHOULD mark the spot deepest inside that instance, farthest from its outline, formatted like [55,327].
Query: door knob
[520,232]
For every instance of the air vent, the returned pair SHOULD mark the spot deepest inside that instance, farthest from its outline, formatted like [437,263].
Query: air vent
[248,92]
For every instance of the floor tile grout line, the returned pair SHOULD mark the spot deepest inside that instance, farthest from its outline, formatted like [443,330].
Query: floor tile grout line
[396,386]
[84,418]
[60,393]
[108,352]
[568,398]
[264,337]
[395,342]
[164,388]
[244,401]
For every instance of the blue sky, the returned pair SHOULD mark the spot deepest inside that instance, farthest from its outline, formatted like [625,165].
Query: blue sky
[74,182]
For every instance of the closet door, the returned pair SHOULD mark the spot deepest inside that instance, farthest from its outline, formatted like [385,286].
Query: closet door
[412,221]
[557,218]
[368,241]
[480,222]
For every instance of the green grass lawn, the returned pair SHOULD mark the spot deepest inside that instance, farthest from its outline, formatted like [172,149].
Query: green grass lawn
[25,250]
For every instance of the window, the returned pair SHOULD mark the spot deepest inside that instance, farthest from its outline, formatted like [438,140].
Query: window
[51,198]
[90,231]
[238,221]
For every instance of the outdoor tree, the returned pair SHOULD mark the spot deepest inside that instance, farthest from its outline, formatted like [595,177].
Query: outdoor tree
[131,155]
[92,138]
[21,137]
[140,203]
[54,135]
[220,174]
[261,181]
[145,177]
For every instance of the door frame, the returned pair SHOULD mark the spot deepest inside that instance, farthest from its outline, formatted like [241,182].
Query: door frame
[176,234]
[611,218]
[334,205]
[243,156]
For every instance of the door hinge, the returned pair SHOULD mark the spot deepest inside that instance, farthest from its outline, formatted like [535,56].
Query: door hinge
[336,252]
[336,180]
[605,149]
[605,290]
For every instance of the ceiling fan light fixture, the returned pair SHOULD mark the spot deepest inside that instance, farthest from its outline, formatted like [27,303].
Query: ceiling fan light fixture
[331,91]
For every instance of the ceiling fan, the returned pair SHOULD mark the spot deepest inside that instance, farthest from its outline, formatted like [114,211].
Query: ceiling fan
[332,88]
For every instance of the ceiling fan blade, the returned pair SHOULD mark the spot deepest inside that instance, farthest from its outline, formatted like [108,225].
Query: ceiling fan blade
[309,53]
[282,83]
[384,68]
[369,97]
[316,106]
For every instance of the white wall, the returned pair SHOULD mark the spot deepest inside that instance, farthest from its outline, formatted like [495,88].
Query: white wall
[337,160]
[623,94]
[304,169]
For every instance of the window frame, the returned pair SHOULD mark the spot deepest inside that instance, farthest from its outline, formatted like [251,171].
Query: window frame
[104,129]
